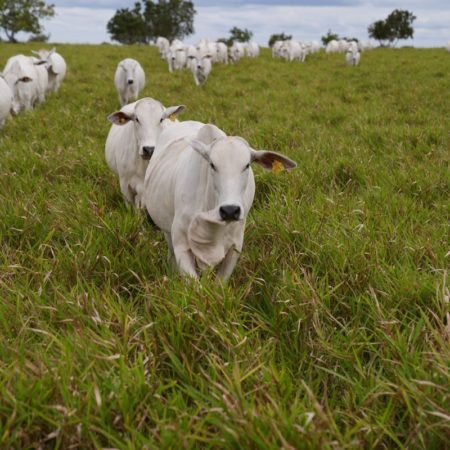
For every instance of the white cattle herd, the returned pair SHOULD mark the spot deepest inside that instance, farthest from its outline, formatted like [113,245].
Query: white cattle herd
[195,182]
[26,80]
[199,58]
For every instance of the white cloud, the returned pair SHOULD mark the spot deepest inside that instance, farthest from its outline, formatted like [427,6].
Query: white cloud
[432,27]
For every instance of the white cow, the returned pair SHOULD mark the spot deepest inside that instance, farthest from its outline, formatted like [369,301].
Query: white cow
[201,67]
[332,47]
[448,46]
[129,80]
[252,49]
[22,78]
[177,56]
[276,49]
[199,192]
[353,54]
[131,141]
[6,100]
[56,67]
[237,51]
[291,50]
[222,53]
[42,78]
[163,45]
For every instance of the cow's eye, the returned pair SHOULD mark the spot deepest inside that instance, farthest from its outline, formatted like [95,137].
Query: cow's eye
[213,167]
[246,167]
[137,120]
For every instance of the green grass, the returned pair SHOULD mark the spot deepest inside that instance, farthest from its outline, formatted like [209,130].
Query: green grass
[332,332]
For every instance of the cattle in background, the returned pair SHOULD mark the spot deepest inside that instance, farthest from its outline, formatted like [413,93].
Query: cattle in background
[129,80]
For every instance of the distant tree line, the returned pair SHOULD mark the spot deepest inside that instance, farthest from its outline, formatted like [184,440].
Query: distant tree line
[173,19]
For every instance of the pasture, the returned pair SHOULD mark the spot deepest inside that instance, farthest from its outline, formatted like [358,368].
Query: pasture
[333,331]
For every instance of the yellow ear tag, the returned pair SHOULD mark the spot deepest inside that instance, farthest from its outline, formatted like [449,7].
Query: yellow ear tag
[277,167]
[122,120]
[173,117]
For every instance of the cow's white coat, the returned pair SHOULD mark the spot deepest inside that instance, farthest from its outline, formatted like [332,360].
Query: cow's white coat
[188,185]
[6,99]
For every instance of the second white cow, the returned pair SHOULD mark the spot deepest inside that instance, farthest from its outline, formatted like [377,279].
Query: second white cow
[131,141]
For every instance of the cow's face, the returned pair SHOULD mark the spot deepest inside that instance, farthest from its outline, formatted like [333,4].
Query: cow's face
[129,69]
[147,116]
[229,160]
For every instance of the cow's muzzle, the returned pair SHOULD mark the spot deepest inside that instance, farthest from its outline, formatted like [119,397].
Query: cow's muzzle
[230,212]
[147,152]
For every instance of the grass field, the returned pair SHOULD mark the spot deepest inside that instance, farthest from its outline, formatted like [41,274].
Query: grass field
[332,332]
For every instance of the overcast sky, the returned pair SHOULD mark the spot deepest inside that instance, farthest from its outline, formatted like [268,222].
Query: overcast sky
[84,21]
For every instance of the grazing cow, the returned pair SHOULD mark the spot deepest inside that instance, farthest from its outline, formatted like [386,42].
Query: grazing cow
[163,45]
[353,55]
[252,49]
[332,47]
[448,46]
[6,100]
[291,50]
[42,78]
[177,56]
[276,49]
[237,51]
[201,67]
[131,141]
[55,65]
[199,190]
[22,78]
[222,53]
[129,80]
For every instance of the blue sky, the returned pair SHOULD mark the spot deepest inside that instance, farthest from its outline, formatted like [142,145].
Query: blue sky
[85,20]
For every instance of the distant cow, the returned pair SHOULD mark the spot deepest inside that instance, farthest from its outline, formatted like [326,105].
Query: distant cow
[131,141]
[22,78]
[201,67]
[353,55]
[55,65]
[129,80]
[177,56]
[6,99]
[163,45]
[222,53]
[199,192]
[332,47]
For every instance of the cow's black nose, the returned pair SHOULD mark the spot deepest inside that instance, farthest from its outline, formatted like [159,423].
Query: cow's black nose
[147,152]
[230,212]
[130,81]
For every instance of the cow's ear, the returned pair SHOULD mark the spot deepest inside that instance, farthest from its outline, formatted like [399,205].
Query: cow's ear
[272,160]
[200,147]
[120,118]
[172,112]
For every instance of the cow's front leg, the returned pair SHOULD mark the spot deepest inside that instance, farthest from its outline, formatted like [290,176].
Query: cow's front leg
[185,261]
[226,267]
